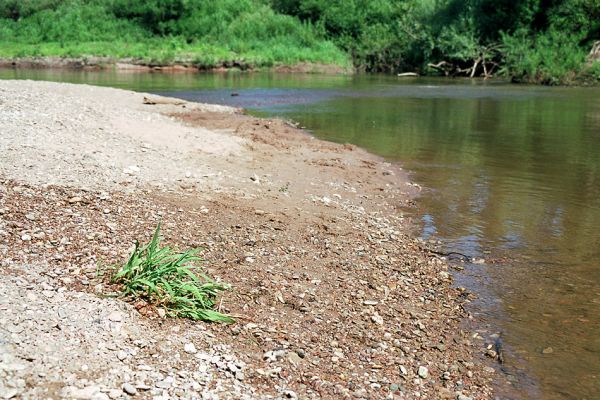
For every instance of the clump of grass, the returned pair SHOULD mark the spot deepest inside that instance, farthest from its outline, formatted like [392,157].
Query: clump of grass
[171,280]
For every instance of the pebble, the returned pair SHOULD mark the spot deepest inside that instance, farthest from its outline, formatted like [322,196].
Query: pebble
[423,372]
[87,393]
[122,355]
[378,319]
[190,348]
[26,238]
[290,394]
[115,316]
[129,389]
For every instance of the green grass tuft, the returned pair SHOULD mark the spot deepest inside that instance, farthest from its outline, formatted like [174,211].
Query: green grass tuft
[170,280]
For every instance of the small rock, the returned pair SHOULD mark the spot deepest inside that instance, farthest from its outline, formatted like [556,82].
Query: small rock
[548,350]
[378,319]
[423,372]
[81,394]
[75,199]
[274,355]
[129,389]
[161,312]
[165,383]
[31,216]
[289,394]
[294,358]
[115,316]
[121,355]
[259,212]
[463,397]
[8,393]
[370,302]
[115,393]
[190,348]
[26,238]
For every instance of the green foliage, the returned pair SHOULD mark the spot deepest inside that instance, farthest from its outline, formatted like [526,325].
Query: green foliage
[531,40]
[552,57]
[206,32]
[170,280]
[407,35]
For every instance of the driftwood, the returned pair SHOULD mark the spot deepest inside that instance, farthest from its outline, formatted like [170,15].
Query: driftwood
[483,64]
[156,100]
[407,74]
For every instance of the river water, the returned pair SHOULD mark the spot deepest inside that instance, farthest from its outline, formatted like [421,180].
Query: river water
[512,175]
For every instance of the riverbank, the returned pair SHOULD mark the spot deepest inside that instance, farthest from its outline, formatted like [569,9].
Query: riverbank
[95,63]
[335,297]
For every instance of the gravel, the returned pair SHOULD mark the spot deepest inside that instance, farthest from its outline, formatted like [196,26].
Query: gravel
[333,297]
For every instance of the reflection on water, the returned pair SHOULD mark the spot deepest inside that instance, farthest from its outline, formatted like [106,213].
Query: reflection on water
[512,173]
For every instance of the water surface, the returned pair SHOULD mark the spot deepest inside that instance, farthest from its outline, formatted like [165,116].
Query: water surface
[512,175]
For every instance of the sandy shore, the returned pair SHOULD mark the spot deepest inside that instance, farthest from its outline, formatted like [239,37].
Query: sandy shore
[335,298]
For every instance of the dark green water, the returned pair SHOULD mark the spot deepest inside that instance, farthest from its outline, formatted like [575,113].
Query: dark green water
[512,174]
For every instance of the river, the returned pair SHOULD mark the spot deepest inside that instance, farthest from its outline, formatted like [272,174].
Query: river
[512,175]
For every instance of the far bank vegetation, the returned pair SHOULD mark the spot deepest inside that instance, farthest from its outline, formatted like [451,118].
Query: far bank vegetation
[542,41]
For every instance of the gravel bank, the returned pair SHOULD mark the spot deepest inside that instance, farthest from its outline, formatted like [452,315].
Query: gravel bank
[334,298]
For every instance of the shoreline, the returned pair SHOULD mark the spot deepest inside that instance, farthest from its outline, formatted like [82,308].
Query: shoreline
[98,63]
[339,301]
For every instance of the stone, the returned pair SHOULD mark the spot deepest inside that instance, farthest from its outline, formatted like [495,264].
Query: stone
[26,237]
[190,348]
[378,319]
[548,350]
[289,394]
[294,358]
[8,393]
[423,372]
[129,389]
[87,393]
[115,316]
